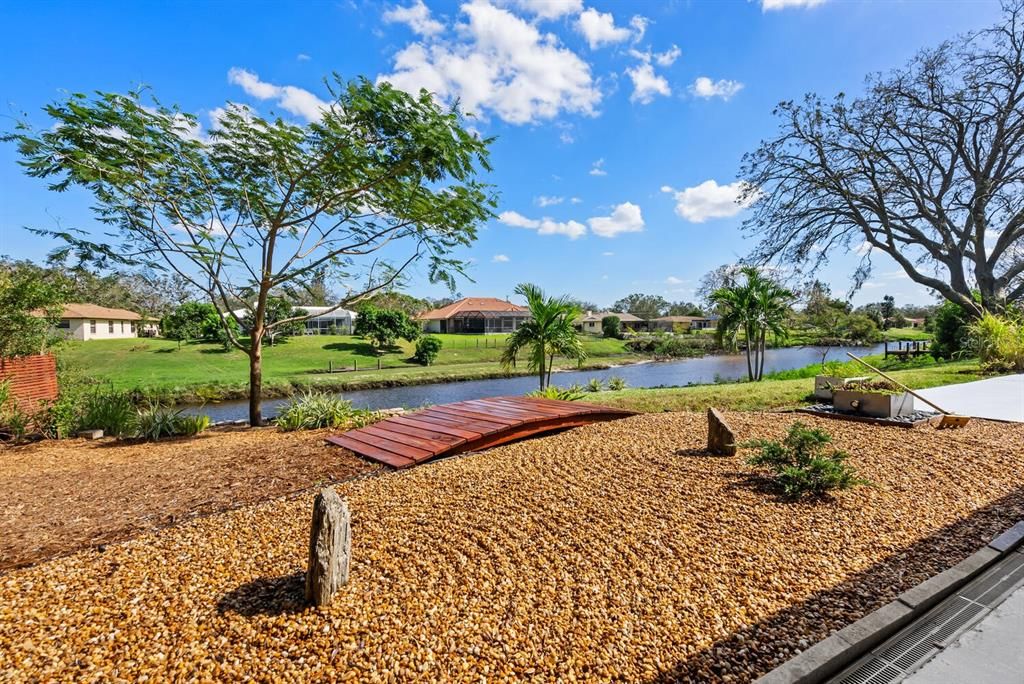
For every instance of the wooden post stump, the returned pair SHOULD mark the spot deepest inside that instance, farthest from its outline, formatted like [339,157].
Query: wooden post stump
[330,545]
[721,440]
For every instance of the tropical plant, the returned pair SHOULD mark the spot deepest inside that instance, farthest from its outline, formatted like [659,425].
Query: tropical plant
[616,384]
[427,349]
[998,342]
[383,327]
[188,426]
[755,306]
[156,421]
[548,332]
[595,385]
[572,393]
[951,331]
[318,410]
[800,465]
[262,205]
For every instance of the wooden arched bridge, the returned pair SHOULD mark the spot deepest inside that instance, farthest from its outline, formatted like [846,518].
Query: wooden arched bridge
[409,439]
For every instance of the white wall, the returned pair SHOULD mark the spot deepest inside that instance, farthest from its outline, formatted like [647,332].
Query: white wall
[81,329]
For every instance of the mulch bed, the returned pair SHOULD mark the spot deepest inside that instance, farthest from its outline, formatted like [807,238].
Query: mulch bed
[60,496]
[617,551]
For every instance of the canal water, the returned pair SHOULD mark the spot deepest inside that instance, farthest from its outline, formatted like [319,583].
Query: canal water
[706,369]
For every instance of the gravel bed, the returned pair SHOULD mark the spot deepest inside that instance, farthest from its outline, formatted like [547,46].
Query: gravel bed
[613,552]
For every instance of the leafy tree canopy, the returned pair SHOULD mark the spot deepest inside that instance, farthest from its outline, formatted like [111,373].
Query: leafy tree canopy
[30,308]
[643,306]
[383,327]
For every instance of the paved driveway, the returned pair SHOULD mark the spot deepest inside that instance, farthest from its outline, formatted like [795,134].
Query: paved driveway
[997,398]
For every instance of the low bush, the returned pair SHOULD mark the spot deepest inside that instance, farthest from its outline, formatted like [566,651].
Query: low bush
[189,426]
[615,383]
[156,422]
[571,393]
[801,464]
[998,342]
[319,410]
[595,385]
[427,349]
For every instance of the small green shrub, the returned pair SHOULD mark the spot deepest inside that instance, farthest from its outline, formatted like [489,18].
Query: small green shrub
[573,393]
[111,411]
[611,326]
[427,349]
[189,426]
[318,410]
[801,465]
[615,383]
[595,385]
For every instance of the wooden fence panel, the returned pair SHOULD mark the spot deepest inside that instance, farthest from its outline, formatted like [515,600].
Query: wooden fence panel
[32,379]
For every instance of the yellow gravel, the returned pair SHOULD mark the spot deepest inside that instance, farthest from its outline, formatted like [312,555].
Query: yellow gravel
[617,551]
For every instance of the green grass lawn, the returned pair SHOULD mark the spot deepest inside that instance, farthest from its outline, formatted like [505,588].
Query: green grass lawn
[160,368]
[793,390]
[912,334]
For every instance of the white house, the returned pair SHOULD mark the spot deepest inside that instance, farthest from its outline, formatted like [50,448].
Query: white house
[91,322]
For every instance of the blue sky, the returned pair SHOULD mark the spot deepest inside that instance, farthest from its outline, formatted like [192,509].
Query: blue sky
[620,125]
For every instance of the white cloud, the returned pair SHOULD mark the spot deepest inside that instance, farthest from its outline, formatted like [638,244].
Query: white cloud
[291,99]
[500,259]
[625,218]
[863,249]
[566,137]
[607,253]
[639,25]
[709,200]
[501,64]
[672,280]
[667,188]
[546,201]
[417,17]
[599,28]
[575,200]
[550,9]
[723,88]
[544,226]
[668,57]
[769,5]
[597,168]
[646,83]
[303,57]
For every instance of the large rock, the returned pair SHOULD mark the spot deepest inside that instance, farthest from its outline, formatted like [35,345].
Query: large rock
[721,440]
[330,545]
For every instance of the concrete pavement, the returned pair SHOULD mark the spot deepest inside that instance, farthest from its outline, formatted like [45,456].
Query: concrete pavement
[996,398]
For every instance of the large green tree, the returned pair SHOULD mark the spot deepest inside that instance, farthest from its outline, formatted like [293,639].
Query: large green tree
[641,305]
[381,181]
[30,308]
[927,167]
[548,332]
[383,327]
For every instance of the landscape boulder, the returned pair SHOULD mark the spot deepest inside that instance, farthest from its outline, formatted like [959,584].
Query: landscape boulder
[721,440]
[330,546]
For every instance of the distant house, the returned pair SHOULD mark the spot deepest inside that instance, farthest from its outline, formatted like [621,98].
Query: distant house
[590,322]
[479,315]
[342,320]
[91,322]
[669,323]
[914,322]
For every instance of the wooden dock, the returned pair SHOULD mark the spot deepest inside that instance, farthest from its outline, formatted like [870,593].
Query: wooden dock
[906,349]
[407,440]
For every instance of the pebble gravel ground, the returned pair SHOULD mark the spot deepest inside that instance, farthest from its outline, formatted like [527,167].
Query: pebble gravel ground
[614,552]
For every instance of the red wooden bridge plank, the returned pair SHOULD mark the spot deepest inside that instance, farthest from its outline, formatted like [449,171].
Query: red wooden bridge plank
[404,441]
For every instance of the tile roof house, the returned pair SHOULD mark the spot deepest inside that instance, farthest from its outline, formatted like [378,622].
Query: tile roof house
[669,323]
[590,322]
[92,322]
[478,315]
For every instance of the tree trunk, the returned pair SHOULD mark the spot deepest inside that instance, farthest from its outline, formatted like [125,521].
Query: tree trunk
[551,362]
[255,381]
[750,369]
[760,368]
[542,359]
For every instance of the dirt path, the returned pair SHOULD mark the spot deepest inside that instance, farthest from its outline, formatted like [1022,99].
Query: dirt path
[58,497]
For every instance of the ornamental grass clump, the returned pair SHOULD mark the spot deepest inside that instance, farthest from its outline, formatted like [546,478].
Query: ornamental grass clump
[319,410]
[571,393]
[999,342]
[802,464]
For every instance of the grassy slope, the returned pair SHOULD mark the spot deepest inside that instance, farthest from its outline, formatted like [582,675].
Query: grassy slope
[793,389]
[159,366]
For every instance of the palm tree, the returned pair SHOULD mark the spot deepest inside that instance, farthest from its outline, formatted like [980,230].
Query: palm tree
[549,332]
[756,307]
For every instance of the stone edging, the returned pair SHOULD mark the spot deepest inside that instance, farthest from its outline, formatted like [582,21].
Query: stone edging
[828,657]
